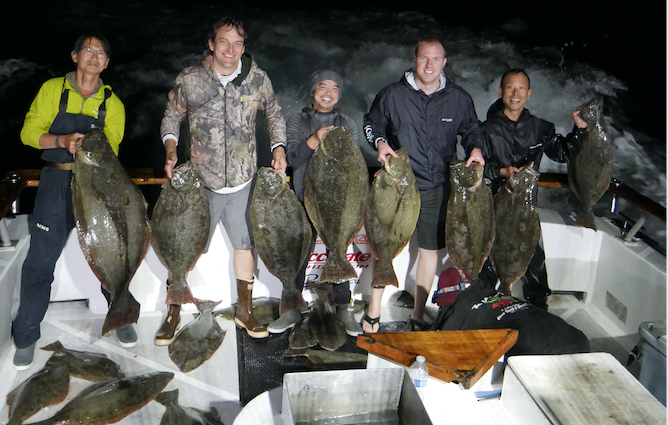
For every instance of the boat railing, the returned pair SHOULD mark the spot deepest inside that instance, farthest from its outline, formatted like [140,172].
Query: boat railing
[15,181]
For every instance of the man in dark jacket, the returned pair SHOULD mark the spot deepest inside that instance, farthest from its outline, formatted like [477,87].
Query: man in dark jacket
[516,138]
[424,113]
[305,131]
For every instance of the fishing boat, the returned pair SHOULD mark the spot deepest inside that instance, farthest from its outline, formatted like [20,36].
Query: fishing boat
[610,284]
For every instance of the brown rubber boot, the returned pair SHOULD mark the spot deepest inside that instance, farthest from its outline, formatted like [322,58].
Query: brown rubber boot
[165,334]
[244,315]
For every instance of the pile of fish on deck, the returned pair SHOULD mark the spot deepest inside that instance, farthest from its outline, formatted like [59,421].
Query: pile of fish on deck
[110,398]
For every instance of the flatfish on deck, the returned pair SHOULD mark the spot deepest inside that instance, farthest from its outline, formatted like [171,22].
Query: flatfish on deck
[175,414]
[180,229]
[281,232]
[337,184]
[325,323]
[590,166]
[517,226]
[87,365]
[469,223]
[391,214]
[109,402]
[196,342]
[112,224]
[46,387]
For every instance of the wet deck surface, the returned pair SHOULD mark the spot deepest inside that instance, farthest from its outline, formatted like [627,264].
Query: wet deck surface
[216,383]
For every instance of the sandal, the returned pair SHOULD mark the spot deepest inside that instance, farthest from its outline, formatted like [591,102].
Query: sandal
[416,325]
[371,321]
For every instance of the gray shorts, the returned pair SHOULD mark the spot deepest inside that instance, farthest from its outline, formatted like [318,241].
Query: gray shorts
[430,228]
[232,210]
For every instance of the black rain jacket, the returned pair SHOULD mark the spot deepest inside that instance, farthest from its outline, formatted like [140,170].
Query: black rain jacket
[425,126]
[509,143]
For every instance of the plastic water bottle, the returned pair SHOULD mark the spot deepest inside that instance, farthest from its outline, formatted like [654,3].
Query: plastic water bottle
[419,372]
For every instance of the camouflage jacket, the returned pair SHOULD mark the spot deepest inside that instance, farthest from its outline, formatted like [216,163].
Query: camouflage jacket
[222,120]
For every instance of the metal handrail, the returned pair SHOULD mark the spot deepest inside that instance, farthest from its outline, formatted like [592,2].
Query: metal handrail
[15,181]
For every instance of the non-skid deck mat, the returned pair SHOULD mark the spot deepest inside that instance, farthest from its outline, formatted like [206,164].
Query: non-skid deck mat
[262,365]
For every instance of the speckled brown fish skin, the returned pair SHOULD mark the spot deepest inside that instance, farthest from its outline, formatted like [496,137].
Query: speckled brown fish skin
[325,323]
[517,226]
[590,168]
[180,229]
[112,224]
[175,414]
[281,232]
[46,387]
[109,402]
[469,223]
[96,367]
[391,214]
[196,342]
[336,189]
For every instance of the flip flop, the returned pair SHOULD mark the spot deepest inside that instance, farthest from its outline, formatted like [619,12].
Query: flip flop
[371,321]
[416,325]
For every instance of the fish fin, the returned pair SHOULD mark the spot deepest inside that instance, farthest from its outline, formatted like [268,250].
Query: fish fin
[384,275]
[167,397]
[295,352]
[55,346]
[203,305]
[586,218]
[337,270]
[291,301]
[179,293]
[123,311]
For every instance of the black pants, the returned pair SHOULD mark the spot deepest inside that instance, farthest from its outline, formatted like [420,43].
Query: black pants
[50,225]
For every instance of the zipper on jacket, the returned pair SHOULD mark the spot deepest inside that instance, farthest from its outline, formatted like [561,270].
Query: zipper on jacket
[225,131]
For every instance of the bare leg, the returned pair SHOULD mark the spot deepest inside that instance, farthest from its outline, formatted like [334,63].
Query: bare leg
[424,279]
[244,264]
[374,310]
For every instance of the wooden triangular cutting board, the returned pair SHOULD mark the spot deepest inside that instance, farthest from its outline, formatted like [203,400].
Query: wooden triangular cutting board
[461,356]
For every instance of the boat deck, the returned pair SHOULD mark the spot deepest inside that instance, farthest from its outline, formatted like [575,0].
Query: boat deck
[215,384]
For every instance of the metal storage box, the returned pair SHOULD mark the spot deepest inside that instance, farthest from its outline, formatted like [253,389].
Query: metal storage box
[652,357]
[359,396]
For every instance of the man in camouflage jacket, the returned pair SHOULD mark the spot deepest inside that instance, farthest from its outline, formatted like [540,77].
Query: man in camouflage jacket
[221,99]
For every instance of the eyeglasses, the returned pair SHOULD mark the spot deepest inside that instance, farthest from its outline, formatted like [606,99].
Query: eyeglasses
[90,52]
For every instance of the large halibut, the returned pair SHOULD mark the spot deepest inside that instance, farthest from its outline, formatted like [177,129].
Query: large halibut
[469,223]
[195,343]
[517,226]
[281,232]
[112,224]
[391,214]
[180,229]
[590,168]
[109,402]
[337,184]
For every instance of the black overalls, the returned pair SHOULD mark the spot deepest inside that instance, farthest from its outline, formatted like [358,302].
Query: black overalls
[50,224]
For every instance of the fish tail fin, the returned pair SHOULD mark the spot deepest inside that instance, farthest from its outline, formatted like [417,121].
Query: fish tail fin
[291,301]
[167,397]
[384,275]
[123,311]
[506,288]
[203,305]
[54,346]
[337,270]
[179,292]
[586,218]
